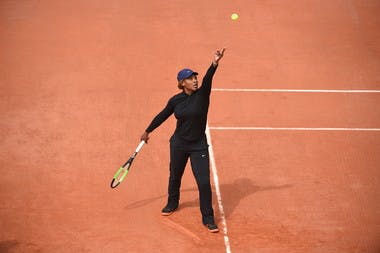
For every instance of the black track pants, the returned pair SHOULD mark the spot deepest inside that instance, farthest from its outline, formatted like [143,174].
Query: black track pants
[201,169]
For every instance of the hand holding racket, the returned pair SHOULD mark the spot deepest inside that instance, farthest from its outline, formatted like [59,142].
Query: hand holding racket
[123,170]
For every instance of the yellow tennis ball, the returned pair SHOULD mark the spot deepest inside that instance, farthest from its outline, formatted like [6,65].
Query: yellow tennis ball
[234,16]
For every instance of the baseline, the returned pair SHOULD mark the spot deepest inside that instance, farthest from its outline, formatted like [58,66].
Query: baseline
[296,90]
[295,128]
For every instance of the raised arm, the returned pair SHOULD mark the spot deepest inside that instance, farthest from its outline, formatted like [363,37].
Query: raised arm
[207,79]
[218,56]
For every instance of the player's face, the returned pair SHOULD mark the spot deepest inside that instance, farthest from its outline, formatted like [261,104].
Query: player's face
[190,84]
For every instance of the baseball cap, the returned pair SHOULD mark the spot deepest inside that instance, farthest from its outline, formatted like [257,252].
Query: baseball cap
[185,73]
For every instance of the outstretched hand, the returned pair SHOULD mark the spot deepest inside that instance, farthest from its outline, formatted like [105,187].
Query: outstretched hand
[218,55]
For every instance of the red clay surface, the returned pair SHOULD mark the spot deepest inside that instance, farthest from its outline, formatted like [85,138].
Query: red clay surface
[80,81]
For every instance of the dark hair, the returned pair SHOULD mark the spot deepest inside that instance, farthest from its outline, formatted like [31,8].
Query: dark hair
[179,85]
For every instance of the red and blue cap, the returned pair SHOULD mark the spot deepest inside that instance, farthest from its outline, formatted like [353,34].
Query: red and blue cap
[185,73]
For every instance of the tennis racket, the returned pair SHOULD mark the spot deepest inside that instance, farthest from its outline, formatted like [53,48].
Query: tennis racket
[123,170]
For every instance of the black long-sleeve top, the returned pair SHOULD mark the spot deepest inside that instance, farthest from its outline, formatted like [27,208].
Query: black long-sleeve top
[191,114]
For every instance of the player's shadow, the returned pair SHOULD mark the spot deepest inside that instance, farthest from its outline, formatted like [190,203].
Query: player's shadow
[241,188]
[232,194]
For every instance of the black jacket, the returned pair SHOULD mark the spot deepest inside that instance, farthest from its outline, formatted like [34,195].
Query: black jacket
[191,114]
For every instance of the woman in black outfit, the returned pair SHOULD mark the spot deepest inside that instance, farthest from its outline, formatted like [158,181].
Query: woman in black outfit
[190,107]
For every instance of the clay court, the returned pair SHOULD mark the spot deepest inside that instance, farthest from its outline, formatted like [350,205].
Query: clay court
[293,126]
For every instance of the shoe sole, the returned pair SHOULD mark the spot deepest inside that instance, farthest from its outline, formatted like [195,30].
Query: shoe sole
[213,230]
[168,213]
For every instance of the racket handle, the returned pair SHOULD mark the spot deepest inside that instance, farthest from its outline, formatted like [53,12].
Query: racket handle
[140,146]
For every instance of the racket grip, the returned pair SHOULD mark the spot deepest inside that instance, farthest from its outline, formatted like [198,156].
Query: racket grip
[140,146]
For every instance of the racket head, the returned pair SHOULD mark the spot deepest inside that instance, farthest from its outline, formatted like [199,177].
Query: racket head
[120,175]
[114,183]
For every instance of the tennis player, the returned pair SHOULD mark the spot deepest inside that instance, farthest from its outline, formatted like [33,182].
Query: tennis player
[190,107]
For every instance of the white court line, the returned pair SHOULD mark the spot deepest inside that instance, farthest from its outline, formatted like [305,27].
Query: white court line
[295,90]
[212,158]
[296,128]
[217,189]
